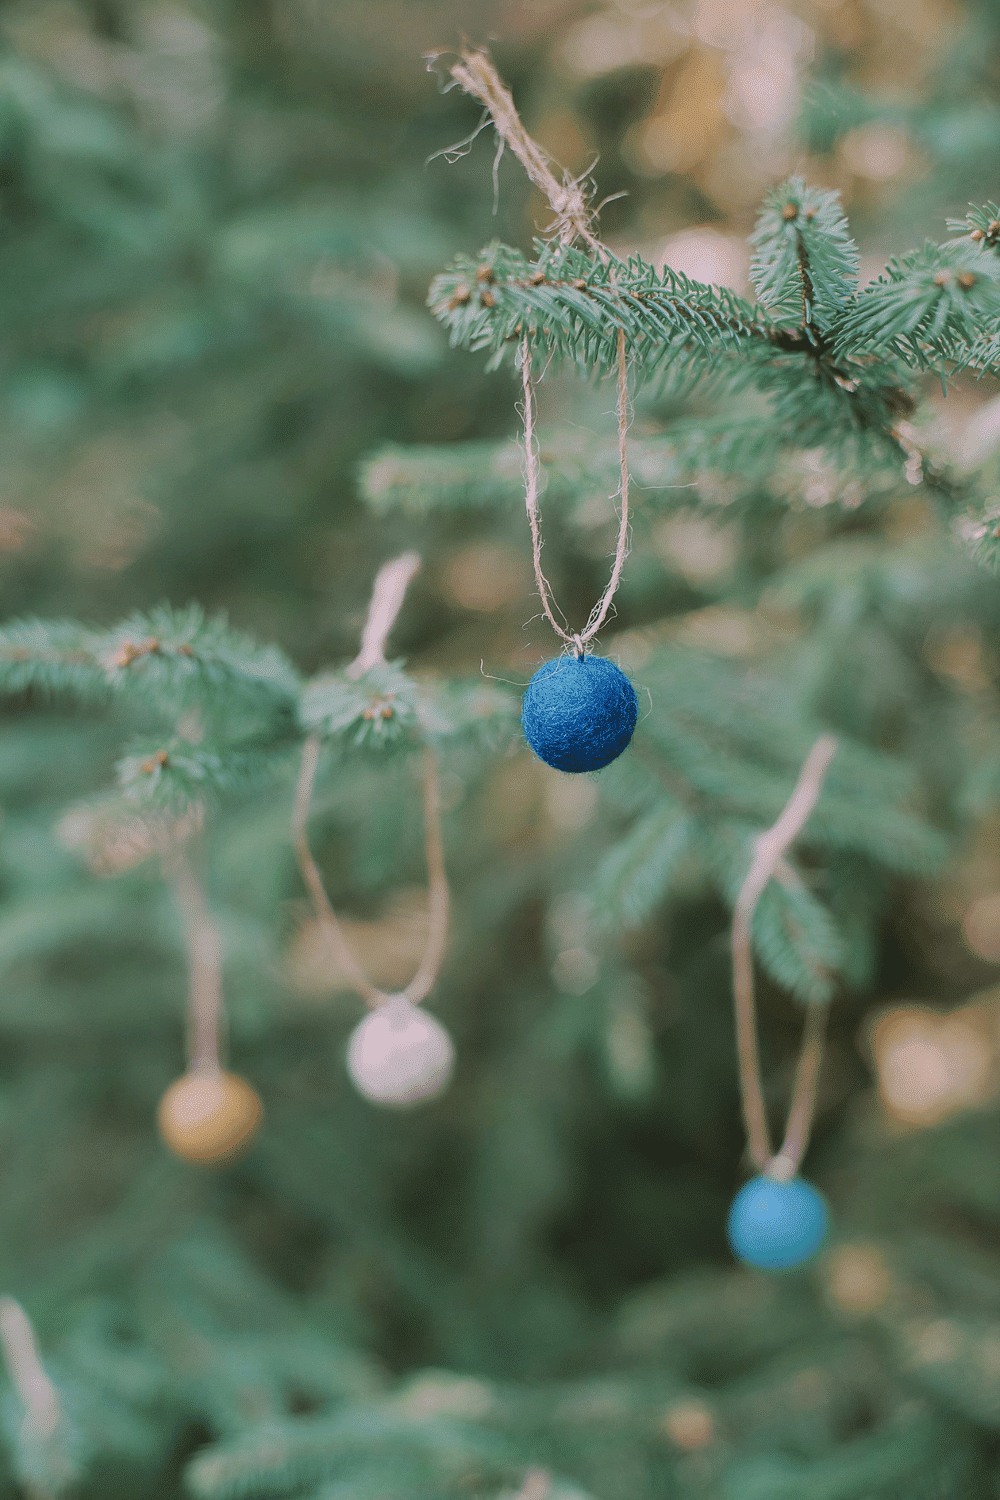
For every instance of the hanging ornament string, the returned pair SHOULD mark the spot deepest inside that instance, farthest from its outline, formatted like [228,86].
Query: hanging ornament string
[387,598]
[208,1115]
[578,712]
[27,1374]
[599,613]
[769,862]
[206,1013]
[475,73]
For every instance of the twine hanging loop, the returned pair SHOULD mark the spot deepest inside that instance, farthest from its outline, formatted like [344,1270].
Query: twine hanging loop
[577,640]
[388,593]
[769,853]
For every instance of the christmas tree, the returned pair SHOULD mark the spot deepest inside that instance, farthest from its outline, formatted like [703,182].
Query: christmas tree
[375,1095]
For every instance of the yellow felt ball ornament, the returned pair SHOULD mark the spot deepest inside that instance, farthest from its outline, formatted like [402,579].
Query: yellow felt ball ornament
[209,1116]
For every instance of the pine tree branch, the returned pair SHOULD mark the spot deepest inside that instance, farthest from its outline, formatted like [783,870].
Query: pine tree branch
[929,308]
[169,656]
[177,776]
[805,264]
[981,226]
[572,305]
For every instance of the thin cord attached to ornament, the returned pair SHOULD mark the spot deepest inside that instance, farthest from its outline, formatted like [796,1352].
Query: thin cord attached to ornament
[598,615]
[396,1055]
[388,593]
[208,1115]
[27,1374]
[777,1219]
[475,73]
[206,1013]
[578,712]
[769,853]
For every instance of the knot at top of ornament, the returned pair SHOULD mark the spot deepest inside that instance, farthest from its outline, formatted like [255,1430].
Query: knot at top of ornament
[776,1225]
[399,1054]
[579,712]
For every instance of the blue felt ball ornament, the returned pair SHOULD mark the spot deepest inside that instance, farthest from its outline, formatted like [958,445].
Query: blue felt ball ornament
[579,712]
[775,1225]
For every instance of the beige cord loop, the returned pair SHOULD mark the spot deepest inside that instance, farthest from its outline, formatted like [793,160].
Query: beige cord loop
[206,1013]
[27,1373]
[422,982]
[388,593]
[573,218]
[577,639]
[768,857]
[325,914]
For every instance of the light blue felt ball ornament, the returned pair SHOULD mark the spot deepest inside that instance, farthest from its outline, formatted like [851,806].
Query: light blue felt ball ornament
[579,712]
[775,1225]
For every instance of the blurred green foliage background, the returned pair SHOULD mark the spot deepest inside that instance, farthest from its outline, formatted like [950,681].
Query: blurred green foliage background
[218,223]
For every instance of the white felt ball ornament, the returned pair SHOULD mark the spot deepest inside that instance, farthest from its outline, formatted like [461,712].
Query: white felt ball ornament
[399,1054]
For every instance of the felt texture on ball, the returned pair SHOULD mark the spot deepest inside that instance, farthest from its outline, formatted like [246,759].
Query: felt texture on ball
[579,712]
[209,1116]
[775,1225]
[399,1054]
